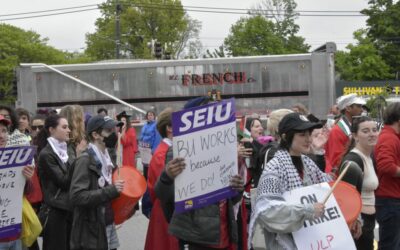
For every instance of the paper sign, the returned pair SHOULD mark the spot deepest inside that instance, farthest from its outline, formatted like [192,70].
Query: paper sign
[206,137]
[12,182]
[145,152]
[327,232]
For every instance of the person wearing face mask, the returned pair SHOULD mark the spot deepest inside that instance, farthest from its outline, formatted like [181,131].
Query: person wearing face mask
[128,140]
[54,168]
[361,174]
[92,191]
[289,169]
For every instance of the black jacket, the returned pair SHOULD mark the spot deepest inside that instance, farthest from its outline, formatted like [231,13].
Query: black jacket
[200,226]
[89,201]
[55,178]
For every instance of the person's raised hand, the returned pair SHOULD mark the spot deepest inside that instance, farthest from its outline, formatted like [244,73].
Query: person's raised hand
[119,185]
[175,167]
[237,183]
[28,171]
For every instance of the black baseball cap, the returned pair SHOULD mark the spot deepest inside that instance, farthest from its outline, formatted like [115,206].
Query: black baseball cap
[297,122]
[99,121]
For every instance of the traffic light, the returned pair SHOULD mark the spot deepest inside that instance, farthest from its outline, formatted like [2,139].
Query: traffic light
[158,51]
[167,55]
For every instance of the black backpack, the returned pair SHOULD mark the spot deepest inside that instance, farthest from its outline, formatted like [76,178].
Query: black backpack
[264,155]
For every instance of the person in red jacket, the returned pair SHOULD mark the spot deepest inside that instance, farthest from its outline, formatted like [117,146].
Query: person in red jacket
[339,137]
[128,140]
[157,232]
[387,196]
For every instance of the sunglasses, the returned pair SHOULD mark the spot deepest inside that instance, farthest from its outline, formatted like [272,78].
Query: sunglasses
[39,127]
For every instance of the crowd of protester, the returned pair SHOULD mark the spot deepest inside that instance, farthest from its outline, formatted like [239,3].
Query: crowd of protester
[71,187]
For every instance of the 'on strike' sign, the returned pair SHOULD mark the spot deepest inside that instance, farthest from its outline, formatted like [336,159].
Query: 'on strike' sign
[206,137]
[328,232]
[12,182]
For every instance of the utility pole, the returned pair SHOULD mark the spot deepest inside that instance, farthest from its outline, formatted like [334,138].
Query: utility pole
[117,29]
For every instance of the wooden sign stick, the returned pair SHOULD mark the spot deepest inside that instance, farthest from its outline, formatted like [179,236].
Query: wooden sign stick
[336,182]
[119,153]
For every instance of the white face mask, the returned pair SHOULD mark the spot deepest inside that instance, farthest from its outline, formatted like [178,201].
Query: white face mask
[364,113]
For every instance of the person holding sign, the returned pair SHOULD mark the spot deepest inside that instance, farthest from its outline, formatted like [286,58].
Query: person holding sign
[289,169]
[213,225]
[13,242]
[55,168]
[92,191]
[148,141]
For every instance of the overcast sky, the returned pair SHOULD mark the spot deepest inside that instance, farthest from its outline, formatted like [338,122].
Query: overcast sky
[67,32]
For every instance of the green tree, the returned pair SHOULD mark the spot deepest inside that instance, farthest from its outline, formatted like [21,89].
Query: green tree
[362,62]
[140,22]
[190,45]
[383,28]
[282,14]
[20,46]
[253,36]
[217,53]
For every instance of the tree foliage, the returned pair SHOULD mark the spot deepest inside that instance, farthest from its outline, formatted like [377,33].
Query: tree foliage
[282,14]
[140,22]
[217,53]
[362,62]
[383,28]
[257,36]
[20,46]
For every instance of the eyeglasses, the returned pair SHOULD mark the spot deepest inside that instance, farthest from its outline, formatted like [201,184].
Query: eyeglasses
[39,127]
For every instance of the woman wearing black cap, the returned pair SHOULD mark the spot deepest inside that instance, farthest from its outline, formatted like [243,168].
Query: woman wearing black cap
[92,190]
[128,140]
[289,169]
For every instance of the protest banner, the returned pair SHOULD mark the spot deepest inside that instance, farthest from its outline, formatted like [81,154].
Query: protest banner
[206,137]
[12,182]
[328,232]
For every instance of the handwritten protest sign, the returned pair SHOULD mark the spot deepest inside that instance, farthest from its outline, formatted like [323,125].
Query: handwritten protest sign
[12,182]
[328,232]
[206,137]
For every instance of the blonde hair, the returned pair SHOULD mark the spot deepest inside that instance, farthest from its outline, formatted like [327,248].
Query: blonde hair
[75,117]
[302,108]
[273,120]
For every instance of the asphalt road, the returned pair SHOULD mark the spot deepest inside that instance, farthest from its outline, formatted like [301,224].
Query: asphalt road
[132,233]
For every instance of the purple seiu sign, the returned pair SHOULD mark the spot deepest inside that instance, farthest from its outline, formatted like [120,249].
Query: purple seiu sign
[206,137]
[12,182]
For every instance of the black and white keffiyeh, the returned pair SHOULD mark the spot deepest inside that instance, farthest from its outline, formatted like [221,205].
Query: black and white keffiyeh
[279,176]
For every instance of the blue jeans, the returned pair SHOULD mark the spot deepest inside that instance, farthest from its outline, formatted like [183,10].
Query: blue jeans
[388,217]
[11,245]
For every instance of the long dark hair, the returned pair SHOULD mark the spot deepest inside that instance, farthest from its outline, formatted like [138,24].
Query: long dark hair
[287,139]
[128,122]
[13,117]
[51,121]
[355,126]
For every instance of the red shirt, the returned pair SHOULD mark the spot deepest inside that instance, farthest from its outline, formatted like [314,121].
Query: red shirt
[130,148]
[157,232]
[387,154]
[335,147]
